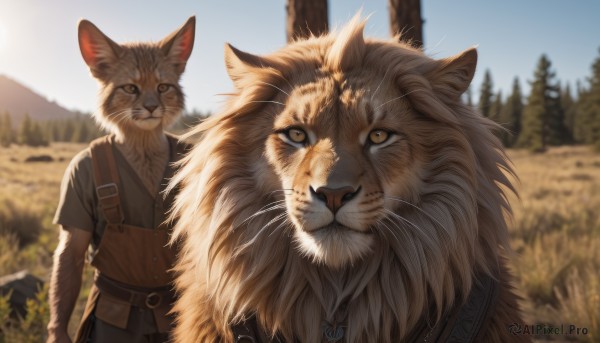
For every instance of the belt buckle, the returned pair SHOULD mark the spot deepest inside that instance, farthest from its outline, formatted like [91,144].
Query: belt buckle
[107,190]
[153,300]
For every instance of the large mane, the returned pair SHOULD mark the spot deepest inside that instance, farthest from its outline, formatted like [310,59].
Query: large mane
[238,255]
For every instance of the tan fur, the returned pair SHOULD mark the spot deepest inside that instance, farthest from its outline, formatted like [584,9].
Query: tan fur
[138,119]
[428,211]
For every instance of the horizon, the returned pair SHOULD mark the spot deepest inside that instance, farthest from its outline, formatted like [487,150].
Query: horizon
[498,31]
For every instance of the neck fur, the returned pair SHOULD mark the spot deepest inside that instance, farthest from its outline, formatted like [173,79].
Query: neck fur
[147,152]
[143,141]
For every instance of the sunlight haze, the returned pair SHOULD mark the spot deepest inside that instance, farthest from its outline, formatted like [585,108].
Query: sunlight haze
[38,39]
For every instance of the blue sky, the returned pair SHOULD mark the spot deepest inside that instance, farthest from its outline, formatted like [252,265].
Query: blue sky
[38,38]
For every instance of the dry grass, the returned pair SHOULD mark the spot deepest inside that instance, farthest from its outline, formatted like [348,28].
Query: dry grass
[28,198]
[555,231]
[556,234]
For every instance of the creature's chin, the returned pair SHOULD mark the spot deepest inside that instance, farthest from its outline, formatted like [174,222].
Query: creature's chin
[148,123]
[335,246]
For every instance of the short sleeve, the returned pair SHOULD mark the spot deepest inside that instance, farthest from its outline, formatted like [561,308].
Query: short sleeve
[77,200]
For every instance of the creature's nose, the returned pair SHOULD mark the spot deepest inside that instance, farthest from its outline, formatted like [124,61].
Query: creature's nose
[335,198]
[150,107]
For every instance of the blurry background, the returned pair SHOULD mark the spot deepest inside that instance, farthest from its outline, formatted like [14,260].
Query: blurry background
[538,76]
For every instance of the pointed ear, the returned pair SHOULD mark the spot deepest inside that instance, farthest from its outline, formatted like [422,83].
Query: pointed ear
[349,47]
[452,76]
[179,44]
[239,64]
[97,49]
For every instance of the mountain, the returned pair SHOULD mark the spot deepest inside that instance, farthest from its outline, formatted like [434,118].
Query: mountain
[19,100]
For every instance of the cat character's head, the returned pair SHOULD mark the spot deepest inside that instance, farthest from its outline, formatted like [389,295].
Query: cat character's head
[139,82]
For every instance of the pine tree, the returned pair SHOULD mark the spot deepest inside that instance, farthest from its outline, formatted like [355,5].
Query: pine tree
[496,107]
[587,123]
[559,134]
[581,127]
[570,110]
[55,132]
[25,130]
[37,137]
[485,97]
[68,129]
[6,131]
[511,114]
[82,132]
[468,97]
[543,118]
[594,106]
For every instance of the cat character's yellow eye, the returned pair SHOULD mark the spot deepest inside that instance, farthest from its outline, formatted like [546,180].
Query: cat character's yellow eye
[130,89]
[378,136]
[296,135]
[163,87]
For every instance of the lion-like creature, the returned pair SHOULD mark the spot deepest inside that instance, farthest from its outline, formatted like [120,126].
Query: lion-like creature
[345,193]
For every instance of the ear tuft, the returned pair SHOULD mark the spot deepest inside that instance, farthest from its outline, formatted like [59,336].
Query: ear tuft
[98,51]
[349,47]
[240,63]
[179,44]
[453,75]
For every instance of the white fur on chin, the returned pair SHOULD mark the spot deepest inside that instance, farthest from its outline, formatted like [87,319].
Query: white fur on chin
[335,247]
[148,123]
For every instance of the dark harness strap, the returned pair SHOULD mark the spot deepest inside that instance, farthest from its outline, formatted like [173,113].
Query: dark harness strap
[468,321]
[106,179]
[106,175]
[465,324]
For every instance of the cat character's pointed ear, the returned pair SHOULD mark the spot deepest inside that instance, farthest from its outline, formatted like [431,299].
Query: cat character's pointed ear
[240,65]
[179,44]
[452,76]
[97,49]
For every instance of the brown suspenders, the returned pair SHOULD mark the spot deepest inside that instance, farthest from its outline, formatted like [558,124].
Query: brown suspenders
[106,179]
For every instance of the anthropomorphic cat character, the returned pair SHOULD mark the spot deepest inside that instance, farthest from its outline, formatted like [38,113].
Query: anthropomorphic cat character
[345,194]
[111,195]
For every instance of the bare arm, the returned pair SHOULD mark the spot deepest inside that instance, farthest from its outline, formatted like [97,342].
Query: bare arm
[65,283]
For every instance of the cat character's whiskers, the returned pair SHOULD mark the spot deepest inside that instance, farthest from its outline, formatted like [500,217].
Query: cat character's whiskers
[265,101]
[248,244]
[380,83]
[274,205]
[429,216]
[397,98]
[172,110]
[422,232]
[272,85]
[381,224]
[116,118]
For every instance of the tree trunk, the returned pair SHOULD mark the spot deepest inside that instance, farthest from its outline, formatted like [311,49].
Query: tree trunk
[305,17]
[405,18]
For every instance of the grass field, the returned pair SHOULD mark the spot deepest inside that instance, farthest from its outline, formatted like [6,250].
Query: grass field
[28,198]
[555,231]
[556,235]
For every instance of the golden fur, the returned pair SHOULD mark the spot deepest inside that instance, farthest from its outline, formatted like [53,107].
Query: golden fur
[138,115]
[264,231]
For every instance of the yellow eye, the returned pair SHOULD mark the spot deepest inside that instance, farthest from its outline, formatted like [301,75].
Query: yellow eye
[163,88]
[131,89]
[296,135]
[378,136]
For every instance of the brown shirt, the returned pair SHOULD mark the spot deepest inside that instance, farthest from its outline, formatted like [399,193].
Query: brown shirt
[79,206]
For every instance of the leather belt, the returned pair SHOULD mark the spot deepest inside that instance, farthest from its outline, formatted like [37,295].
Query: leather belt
[149,299]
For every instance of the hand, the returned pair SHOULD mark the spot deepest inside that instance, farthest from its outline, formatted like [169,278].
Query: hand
[58,336]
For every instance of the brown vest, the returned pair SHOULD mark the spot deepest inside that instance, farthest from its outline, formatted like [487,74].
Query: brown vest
[133,264]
